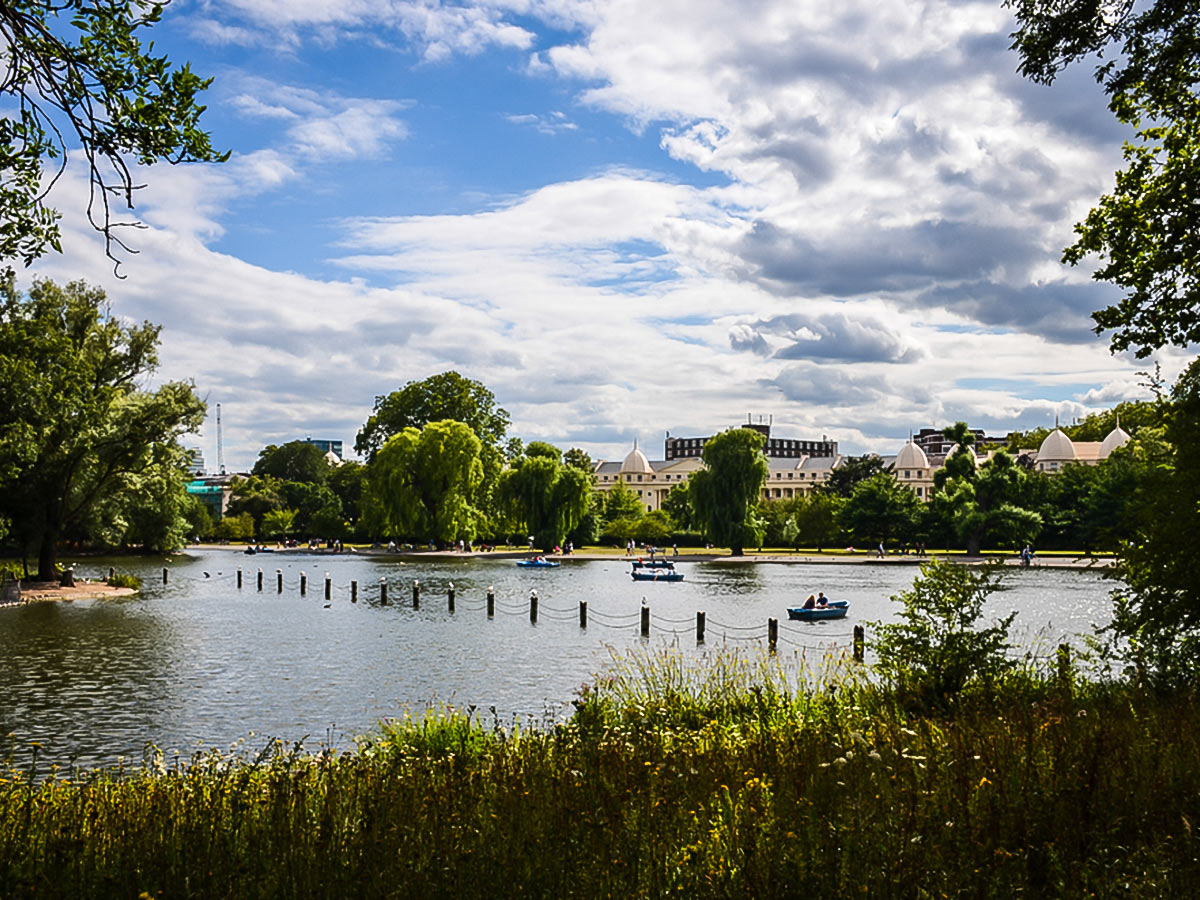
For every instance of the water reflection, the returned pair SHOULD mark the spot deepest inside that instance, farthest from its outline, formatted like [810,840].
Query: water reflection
[199,662]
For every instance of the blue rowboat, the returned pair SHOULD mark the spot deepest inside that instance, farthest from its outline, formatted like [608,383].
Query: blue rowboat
[657,575]
[837,609]
[653,564]
[537,564]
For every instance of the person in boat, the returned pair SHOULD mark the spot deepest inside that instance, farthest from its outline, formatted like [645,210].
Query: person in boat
[810,603]
[822,601]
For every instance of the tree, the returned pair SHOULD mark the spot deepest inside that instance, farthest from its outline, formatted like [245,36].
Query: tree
[256,496]
[853,469]
[1145,232]
[76,71]
[238,527]
[580,460]
[724,493]
[346,482]
[1157,603]
[74,424]
[881,509]
[293,461]
[985,502]
[937,648]
[678,505]
[816,519]
[279,523]
[545,497]
[445,396]
[424,481]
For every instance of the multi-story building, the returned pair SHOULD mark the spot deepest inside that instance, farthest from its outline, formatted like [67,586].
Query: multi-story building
[334,447]
[774,448]
[789,477]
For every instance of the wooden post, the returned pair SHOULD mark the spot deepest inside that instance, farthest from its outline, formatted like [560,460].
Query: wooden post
[450,597]
[239,578]
[583,614]
[328,587]
[68,577]
[533,607]
[112,573]
[699,626]
[260,577]
[303,583]
[279,581]
[772,633]
[858,643]
[353,591]
[383,592]
[1064,664]
[491,601]
[645,619]
[416,595]
[164,574]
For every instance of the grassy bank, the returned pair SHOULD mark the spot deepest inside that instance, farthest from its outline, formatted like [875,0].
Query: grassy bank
[738,780]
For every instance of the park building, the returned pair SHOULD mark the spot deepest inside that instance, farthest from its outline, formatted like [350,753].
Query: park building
[1058,450]
[793,476]
[792,471]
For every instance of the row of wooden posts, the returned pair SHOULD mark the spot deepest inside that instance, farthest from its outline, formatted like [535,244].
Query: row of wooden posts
[772,623]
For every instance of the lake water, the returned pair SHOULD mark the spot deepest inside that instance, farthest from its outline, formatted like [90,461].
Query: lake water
[197,663]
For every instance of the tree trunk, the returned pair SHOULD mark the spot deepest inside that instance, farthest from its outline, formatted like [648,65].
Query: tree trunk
[736,551]
[974,544]
[48,555]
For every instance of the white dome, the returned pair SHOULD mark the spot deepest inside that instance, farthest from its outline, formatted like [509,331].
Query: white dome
[1057,447]
[911,457]
[959,448]
[1116,438]
[636,462]
[332,458]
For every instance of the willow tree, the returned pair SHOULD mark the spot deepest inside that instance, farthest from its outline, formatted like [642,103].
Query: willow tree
[422,481]
[543,495]
[724,494]
[75,427]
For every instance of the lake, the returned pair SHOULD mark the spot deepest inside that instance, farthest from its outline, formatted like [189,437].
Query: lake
[197,663]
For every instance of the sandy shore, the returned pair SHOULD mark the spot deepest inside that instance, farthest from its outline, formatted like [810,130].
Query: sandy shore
[34,591]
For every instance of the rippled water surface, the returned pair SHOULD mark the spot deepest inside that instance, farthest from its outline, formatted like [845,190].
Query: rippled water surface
[198,663]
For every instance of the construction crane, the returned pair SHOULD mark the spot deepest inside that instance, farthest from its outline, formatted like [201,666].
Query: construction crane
[220,445]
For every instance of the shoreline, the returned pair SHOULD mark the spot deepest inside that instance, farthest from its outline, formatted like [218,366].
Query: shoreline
[838,558]
[42,591]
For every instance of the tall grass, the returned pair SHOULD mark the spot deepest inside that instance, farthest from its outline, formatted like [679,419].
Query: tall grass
[745,777]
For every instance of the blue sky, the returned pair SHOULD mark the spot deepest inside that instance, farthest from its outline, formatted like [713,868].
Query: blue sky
[624,217]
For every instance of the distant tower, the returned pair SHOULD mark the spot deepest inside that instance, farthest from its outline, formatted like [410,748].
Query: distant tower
[220,444]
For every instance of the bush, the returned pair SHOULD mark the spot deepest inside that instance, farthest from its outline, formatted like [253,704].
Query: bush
[124,581]
[938,649]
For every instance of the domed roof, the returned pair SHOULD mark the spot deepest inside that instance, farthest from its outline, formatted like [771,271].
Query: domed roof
[1116,438]
[911,457]
[636,462]
[959,448]
[1056,446]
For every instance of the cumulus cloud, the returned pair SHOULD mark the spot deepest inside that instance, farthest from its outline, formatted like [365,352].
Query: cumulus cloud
[829,336]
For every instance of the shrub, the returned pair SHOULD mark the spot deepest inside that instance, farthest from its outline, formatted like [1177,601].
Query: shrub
[125,581]
[938,648]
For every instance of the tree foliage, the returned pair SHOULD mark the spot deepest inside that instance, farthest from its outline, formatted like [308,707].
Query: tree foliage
[545,497]
[1145,232]
[1157,607]
[439,397]
[853,469]
[937,648]
[724,494]
[293,461]
[880,510]
[75,428]
[423,482]
[77,72]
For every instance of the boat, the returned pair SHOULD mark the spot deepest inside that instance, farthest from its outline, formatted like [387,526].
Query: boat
[657,575]
[836,609]
[538,563]
[653,564]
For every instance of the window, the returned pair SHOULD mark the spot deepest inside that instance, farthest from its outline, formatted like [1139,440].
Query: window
[790,474]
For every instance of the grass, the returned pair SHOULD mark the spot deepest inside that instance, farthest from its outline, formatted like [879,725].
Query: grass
[744,777]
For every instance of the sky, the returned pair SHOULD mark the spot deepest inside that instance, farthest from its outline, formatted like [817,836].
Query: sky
[625,218]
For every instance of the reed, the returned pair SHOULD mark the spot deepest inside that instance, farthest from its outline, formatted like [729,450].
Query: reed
[743,776]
